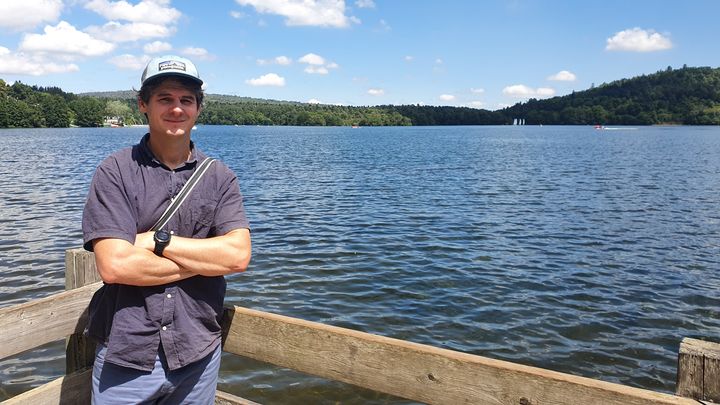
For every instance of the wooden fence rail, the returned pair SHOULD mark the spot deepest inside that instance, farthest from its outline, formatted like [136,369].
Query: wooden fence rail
[414,371]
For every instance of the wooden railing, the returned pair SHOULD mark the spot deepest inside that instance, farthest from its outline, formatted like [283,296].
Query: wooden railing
[409,370]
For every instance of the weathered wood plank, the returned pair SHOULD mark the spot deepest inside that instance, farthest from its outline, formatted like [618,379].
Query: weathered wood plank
[698,374]
[79,352]
[711,379]
[80,269]
[28,325]
[418,372]
[223,398]
[73,389]
[689,376]
[70,389]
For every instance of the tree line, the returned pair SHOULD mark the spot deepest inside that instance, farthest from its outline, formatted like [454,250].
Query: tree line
[26,106]
[686,96]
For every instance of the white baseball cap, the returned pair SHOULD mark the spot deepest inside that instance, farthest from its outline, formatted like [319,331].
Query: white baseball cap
[170,65]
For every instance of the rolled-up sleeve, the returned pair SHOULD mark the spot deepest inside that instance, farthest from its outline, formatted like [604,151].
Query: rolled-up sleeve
[230,211]
[108,210]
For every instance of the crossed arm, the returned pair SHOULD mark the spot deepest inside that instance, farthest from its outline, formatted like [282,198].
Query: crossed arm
[120,262]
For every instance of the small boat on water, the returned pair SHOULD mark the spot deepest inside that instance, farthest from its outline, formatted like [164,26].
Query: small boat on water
[614,128]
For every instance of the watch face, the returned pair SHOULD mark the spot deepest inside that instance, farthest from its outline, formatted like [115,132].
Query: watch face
[162,236]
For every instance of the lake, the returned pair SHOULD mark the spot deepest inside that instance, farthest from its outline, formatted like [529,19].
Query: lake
[591,252]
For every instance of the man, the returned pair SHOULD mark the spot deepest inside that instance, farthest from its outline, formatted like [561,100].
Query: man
[157,317]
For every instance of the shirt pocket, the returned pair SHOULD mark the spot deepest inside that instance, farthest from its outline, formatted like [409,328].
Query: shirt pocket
[202,215]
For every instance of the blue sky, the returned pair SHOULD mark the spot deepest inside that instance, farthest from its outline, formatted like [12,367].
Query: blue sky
[476,53]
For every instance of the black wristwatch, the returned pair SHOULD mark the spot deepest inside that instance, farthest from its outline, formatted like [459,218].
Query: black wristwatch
[162,239]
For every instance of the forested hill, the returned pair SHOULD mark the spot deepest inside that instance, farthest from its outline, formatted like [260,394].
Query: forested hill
[223,98]
[687,96]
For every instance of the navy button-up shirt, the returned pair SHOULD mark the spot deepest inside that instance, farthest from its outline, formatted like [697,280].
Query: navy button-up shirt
[129,192]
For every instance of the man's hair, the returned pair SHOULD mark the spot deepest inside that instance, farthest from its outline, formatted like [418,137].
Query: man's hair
[150,86]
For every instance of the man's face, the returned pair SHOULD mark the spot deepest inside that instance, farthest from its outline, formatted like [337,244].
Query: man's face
[172,109]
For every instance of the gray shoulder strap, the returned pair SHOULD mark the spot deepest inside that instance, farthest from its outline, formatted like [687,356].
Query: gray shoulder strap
[183,194]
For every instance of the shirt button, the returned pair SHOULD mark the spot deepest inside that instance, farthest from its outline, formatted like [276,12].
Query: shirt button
[169,295]
[164,328]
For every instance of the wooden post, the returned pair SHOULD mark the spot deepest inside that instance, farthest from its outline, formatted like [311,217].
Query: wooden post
[698,374]
[80,270]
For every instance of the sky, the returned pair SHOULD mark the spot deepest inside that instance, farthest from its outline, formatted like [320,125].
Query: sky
[467,53]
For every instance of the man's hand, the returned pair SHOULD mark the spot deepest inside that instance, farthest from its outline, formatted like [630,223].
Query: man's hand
[145,240]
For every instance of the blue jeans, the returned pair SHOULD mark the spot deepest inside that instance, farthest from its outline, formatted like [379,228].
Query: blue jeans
[192,384]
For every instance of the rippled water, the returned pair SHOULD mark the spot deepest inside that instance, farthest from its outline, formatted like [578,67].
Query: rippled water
[582,251]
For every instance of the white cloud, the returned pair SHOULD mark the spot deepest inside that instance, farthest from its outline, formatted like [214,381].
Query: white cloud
[283,60]
[317,70]
[27,14]
[115,32]
[563,76]
[365,3]
[447,97]
[237,14]
[197,53]
[323,13]
[317,64]
[130,62]
[477,90]
[523,91]
[376,92]
[638,40]
[438,61]
[314,101]
[544,92]
[22,64]
[157,47]
[409,58]
[476,104]
[518,90]
[278,60]
[270,79]
[312,59]
[146,11]
[65,39]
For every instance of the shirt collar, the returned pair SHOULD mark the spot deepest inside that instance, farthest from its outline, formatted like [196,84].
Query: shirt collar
[145,147]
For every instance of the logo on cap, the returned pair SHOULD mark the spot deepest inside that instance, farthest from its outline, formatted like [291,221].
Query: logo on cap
[171,65]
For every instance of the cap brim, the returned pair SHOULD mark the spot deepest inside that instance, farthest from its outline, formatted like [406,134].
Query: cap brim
[176,74]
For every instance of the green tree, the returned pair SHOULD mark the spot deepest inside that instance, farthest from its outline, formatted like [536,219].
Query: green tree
[89,111]
[19,114]
[55,110]
[120,110]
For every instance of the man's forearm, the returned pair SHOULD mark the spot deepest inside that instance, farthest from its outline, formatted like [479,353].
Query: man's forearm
[216,256]
[119,262]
